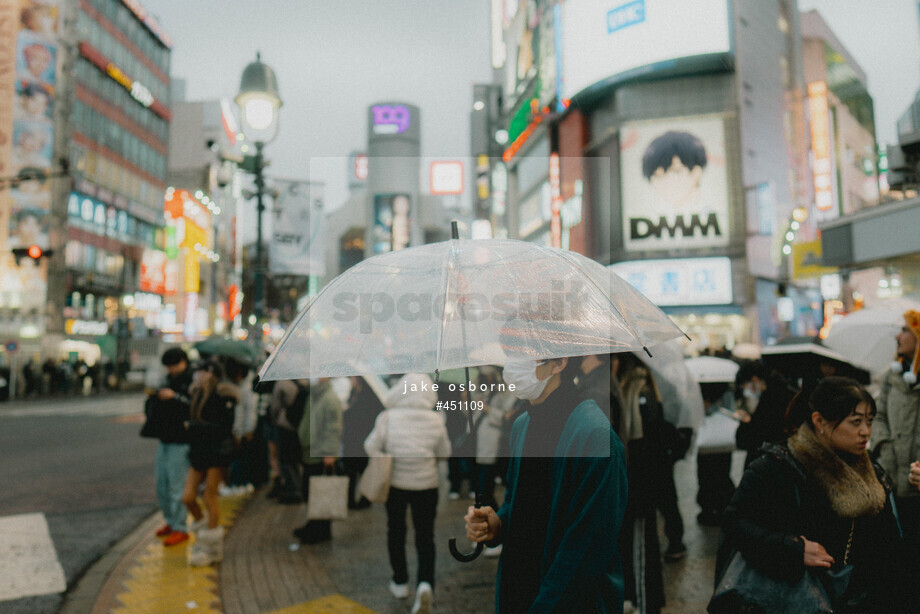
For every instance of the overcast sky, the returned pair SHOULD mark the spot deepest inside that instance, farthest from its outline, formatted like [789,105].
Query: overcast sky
[334,59]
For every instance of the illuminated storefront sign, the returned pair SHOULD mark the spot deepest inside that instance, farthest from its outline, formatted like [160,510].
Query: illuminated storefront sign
[85,327]
[680,281]
[138,91]
[821,149]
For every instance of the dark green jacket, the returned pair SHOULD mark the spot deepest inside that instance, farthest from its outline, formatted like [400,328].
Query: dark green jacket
[581,570]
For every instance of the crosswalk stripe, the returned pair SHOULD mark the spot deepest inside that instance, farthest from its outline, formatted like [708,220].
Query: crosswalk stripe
[29,564]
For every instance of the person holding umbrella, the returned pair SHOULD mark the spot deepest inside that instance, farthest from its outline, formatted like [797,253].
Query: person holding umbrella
[564,503]
[896,440]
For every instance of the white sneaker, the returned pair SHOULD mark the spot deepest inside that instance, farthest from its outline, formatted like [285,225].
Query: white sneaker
[628,607]
[224,491]
[453,495]
[400,591]
[422,599]
[493,552]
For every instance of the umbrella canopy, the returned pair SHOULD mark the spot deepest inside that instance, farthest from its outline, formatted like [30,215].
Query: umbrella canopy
[712,370]
[681,400]
[466,302]
[801,357]
[866,337]
[230,348]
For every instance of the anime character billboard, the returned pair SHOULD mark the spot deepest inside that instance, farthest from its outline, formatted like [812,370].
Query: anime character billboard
[674,184]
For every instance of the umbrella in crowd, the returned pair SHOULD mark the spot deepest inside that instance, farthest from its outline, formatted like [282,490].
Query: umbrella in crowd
[803,358]
[746,351]
[866,337]
[229,348]
[712,370]
[458,304]
[681,400]
[462,303]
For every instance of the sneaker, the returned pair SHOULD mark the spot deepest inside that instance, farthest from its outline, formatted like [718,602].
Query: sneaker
[422,599]
[224,491]
[453,495]
[492,552]
[400,591]
[675,552]
[164,531]
[197,525]
[176,537]
[629,607]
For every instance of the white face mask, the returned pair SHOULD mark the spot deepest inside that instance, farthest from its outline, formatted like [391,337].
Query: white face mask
[751,397]
[523,375]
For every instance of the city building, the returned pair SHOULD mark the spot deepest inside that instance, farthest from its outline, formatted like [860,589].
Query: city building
[685,163]
[86,165]
[199,273]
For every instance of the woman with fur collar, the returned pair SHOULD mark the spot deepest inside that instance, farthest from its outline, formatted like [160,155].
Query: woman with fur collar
[817,502]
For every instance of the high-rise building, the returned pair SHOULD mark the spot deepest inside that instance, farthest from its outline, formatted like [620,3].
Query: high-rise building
[683,161]
[88,158]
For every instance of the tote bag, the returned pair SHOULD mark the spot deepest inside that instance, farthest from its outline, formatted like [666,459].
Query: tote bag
[328,497]
[717,434]
[375,481]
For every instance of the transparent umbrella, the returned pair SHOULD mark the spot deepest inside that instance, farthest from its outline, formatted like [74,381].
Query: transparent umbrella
[866,337]
[458,304]
[681,400]
[462,303]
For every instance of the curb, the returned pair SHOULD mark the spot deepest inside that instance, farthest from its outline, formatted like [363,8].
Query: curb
[82,598]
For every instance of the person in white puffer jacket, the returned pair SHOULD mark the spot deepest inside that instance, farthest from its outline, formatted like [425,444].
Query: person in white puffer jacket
[416,436]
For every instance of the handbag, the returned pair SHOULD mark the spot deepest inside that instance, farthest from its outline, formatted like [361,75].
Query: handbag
[153,420]
[375,481]
[328,498]
[717,435]
[744,589]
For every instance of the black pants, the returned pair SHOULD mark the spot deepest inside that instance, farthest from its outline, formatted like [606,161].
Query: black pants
[354,466]
[716,487]
[424,503]
[289,457]
[666,500]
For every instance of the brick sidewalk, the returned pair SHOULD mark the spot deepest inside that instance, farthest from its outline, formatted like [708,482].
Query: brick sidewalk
[265,568]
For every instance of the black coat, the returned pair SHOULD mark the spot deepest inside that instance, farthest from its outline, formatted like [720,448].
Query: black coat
[779,500]
[767,423]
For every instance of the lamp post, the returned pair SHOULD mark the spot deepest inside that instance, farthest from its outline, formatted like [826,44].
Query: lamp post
[259,103]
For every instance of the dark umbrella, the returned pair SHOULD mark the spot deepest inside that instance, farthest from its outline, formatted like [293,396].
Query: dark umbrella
[229,348]
[800,358]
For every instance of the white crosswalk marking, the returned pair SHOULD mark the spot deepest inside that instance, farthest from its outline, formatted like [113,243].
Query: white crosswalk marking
[28,561]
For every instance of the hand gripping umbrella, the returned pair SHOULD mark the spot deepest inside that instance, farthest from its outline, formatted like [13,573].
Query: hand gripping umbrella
[462,303]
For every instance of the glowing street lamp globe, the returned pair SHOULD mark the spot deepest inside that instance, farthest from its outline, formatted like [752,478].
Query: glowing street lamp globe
[259,102]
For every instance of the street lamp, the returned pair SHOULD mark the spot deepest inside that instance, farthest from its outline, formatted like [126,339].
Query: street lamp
[259,103]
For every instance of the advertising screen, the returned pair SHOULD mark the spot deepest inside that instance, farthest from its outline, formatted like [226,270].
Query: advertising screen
[391,222]
[602,39]
[674,184]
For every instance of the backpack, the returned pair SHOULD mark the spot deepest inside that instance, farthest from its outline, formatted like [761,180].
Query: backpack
[294,412]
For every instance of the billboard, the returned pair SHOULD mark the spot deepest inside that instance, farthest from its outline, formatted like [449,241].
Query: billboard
[605,39]
[392,222]
[680,281]
[674,184]
[297,230]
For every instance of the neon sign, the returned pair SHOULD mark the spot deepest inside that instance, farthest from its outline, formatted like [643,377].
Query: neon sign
[390,119]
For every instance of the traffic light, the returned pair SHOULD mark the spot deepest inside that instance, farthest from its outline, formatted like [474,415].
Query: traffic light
[33,252]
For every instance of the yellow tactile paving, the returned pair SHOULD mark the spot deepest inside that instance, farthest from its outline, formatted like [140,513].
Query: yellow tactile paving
[162,582]
[330,604]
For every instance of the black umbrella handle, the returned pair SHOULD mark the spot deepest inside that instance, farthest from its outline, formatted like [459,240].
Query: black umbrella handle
[452,543]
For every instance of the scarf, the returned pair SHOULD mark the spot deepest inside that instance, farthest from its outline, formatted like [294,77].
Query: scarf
[852,488]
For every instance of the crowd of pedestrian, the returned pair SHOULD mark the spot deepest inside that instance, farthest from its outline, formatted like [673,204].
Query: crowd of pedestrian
[584,449]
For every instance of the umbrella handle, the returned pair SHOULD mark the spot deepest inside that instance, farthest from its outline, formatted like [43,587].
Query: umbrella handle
[463,558]
[452,542]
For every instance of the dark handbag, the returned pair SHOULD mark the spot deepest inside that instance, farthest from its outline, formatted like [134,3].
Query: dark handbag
[153,422]
[744,590]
